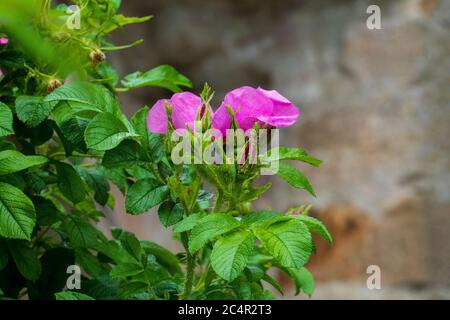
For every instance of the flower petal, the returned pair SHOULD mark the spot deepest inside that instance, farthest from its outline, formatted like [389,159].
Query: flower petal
[157,117]
[247,103]
[185,108]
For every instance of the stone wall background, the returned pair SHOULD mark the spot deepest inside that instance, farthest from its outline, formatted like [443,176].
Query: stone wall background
[375,107]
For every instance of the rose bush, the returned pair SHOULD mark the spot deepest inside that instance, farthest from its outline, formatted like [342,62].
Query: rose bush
[64,141]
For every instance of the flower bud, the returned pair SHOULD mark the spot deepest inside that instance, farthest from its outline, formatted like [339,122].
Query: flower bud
[53,84]
[97,56]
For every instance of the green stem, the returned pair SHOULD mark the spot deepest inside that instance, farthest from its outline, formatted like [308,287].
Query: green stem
[219,199]
[190,268]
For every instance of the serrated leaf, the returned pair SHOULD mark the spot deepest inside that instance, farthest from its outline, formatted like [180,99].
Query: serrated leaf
[73,131]
[92,96]
[254,193]
[6,120]
[90,263]
[105,132]
[258,217]
[126,270]
[170,213]
[70,295]
[26,259]
[33,110]
[125,155]
[17,213]
[120,20]
[46,211]
[231,253]
[303,280]
[13,161]
[144,195]
[164,256]
[274,283]
[70,182]
[210,227]
[80,233]
[294,177]
[289,242]
[130,289]
[113,250]
[99,184]
[285,153]
[164,76]
[128,241]
[315,225]
[188,223]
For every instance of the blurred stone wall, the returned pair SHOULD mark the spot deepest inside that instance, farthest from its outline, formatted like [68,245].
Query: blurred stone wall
[375,106]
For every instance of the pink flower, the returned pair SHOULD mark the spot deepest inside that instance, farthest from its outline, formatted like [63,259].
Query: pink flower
[251,105]
[184,112]
[4,40]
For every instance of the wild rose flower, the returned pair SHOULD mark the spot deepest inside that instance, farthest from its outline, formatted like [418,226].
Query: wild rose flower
[4,40]
[185,106]
[255,105]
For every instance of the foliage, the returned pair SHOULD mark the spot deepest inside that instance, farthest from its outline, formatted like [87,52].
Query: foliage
[64,140]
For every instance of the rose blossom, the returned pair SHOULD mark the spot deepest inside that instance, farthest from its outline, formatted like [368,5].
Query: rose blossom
[255,105]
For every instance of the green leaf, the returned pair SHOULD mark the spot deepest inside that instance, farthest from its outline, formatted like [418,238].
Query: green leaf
[70,295]
[125,155]
[163,76]
[231,253]
[285,153]
[90,263]
[33,110]
[92,96]
[126,270]
[105,132]
[80,233]
[13,161]
[259,217]
[170,213]
[164,256]
[120,20]
[144,195]
[274,283]
[70,182]
[113,250]
[188,223]
[6,120]
[17,214]
[254,193]
[73,131]
[210,227]
[26,259]
[128,241]
[46,211]
[303,280]
[315,225]
[294,177]
[289,242]
[130,289]
[98,183]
